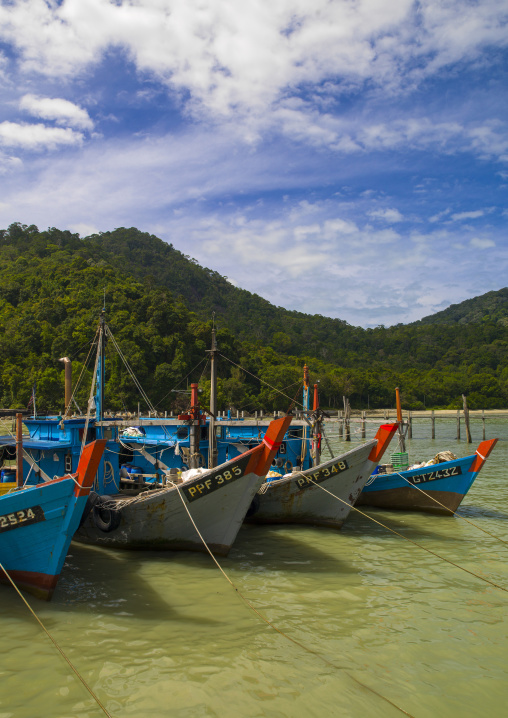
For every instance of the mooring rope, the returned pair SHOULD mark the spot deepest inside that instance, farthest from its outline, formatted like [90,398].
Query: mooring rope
[415,543]
[57,646]
[429,496]
[278,630]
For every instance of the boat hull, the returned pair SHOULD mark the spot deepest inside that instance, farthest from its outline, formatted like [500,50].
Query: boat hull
[33,550]
[298,499]
[444,484]
[158,519]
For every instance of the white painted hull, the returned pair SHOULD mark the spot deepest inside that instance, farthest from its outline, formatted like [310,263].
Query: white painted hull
[157,519]
[298,500]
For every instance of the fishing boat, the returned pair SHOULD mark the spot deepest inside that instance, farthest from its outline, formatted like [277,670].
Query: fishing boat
[204,511]
[437,488]
[140,500]
[37,524]
[299,498]
[298,487]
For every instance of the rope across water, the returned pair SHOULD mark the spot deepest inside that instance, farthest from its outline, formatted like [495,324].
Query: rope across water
[278,630]
[57,646]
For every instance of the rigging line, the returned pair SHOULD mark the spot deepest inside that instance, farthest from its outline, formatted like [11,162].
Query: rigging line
[278,630]
[90,399]
[78,350]
[429,496]
[293,402]
[415,543]
[67,409]
[181,380]
[126,364]
[204,369]
[130,370]
[57,646]
[259,379]
[289,386]
[325,437]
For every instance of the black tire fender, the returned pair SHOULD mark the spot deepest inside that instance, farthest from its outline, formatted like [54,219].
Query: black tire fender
[104,518]
[254,507]
[91,501]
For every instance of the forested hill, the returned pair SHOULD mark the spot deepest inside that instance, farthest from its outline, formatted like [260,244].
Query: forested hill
[204,291]
[491,307]
[159,305]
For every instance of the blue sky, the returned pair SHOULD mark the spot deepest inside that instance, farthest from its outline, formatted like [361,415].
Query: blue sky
[342,158]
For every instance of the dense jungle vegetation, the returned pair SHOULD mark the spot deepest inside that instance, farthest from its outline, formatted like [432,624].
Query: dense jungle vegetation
[159,306]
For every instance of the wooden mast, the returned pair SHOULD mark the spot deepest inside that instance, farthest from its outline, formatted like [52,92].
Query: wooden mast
[305,403]
[212,444]
[195,428]
[317,428]
[68,383]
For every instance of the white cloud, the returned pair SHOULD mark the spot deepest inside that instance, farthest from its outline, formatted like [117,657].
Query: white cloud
[459,216]
[37,137]
[9,163]
[389,215]
[245,57]
[440,215]
[62,111]
[479,243]
[83,229]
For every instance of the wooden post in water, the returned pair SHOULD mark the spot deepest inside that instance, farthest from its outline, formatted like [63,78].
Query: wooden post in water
[341,424]
[466,419]
[458,424]
[409,425]
[483,424]
[402,441]
[433,420]
[363,425]
[19,450]
[347,426]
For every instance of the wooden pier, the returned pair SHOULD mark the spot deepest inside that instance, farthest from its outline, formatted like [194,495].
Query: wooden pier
[461,418]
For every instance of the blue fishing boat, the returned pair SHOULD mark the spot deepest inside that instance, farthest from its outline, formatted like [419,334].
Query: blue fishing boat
[437,488]
[37,524]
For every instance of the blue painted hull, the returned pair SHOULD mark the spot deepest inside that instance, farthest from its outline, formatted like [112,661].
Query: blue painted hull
[36,528]
[442,487]
[37,524]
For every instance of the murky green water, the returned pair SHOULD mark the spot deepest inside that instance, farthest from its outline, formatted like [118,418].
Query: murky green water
[165,635]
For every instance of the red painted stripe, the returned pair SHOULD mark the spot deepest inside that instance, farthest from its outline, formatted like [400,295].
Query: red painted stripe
[272,445]
[41,585]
